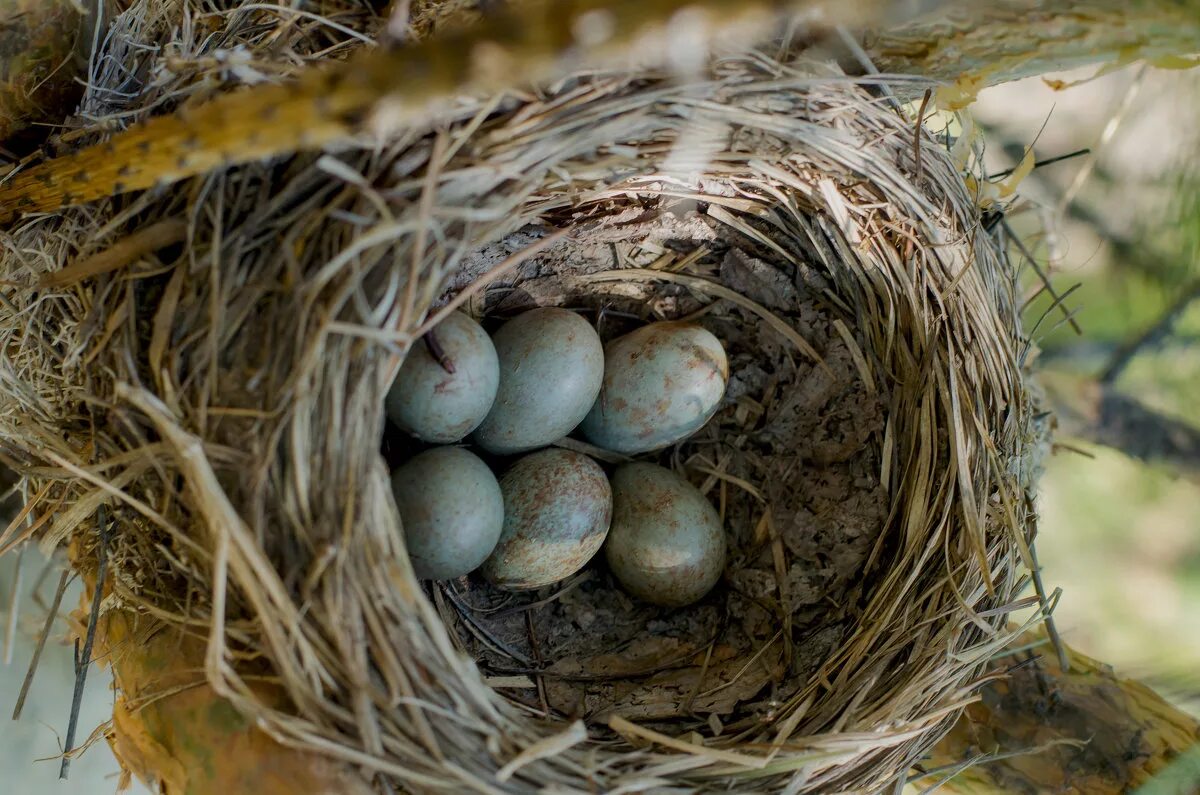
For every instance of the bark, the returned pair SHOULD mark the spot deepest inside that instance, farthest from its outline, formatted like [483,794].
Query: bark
[985,43]
[1040,730]
[538,39]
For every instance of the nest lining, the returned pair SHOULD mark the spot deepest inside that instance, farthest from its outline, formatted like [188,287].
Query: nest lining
[225,400]
[791,460]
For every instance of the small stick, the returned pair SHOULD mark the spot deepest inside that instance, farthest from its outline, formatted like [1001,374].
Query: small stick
[917,132]
[83,657]
[1047,162]
[480,632]
[1032,659]
[437,351]
[10,630]
[119,254]
[40,580]
[867,64]
[1060,649]
[1011,235]
[507,611]
[537,658]
[41,644]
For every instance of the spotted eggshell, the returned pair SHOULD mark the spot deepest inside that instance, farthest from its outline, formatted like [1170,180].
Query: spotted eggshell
[551,364]
[666,545]
[439,406]
[661,384]
[557,508]
[451,510]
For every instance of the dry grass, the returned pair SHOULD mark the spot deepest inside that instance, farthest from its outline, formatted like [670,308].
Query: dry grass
[224,398]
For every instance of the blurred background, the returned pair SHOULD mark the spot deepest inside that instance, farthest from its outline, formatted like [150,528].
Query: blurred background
[1120,502]
[1119,229]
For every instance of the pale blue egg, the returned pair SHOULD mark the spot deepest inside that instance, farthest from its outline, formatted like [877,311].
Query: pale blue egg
[551,365]
[451,510]
[557,508]
[666,545]
[661,384]
[439,406]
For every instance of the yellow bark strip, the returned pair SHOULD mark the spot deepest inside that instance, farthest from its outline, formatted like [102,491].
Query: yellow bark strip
[333,101]
[1095,732]
[974,44]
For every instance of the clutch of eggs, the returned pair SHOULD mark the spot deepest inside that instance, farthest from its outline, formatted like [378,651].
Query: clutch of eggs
[541,376]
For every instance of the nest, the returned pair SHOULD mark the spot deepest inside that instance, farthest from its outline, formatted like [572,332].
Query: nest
[220,396]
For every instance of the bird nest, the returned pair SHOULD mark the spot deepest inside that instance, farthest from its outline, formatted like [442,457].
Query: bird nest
[214,389]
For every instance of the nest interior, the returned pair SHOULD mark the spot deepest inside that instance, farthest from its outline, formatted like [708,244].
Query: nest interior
[791,460]
[221,396]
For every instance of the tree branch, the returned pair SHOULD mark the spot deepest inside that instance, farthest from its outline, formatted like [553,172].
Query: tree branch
[1098,413]
[1153,336]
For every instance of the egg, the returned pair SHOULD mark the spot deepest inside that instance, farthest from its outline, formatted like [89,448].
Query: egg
[439,406]
[666,545]
[557,508]
[661,384]
[551,365]
[451,510]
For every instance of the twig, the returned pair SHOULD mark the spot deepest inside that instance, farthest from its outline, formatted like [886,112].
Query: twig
[670,663]
[119,254]
[1110,129]
[1058,299]
[1060,649]
[583,577]
[917,133]
[438,352]
[867,64]
[331,102]
[83,657]
[537,657]
[481,632]
[1125,424]
[41,643]
[1040,163]
[40,579]
[14,610]
[1032,659]
[982,759]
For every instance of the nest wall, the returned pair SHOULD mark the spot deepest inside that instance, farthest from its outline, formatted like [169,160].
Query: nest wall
[220,393]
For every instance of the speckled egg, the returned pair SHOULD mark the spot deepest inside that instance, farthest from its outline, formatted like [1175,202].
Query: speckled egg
[551,364]
[661,384]
[451,510]
[666,545]
[557,508]
[439,406]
